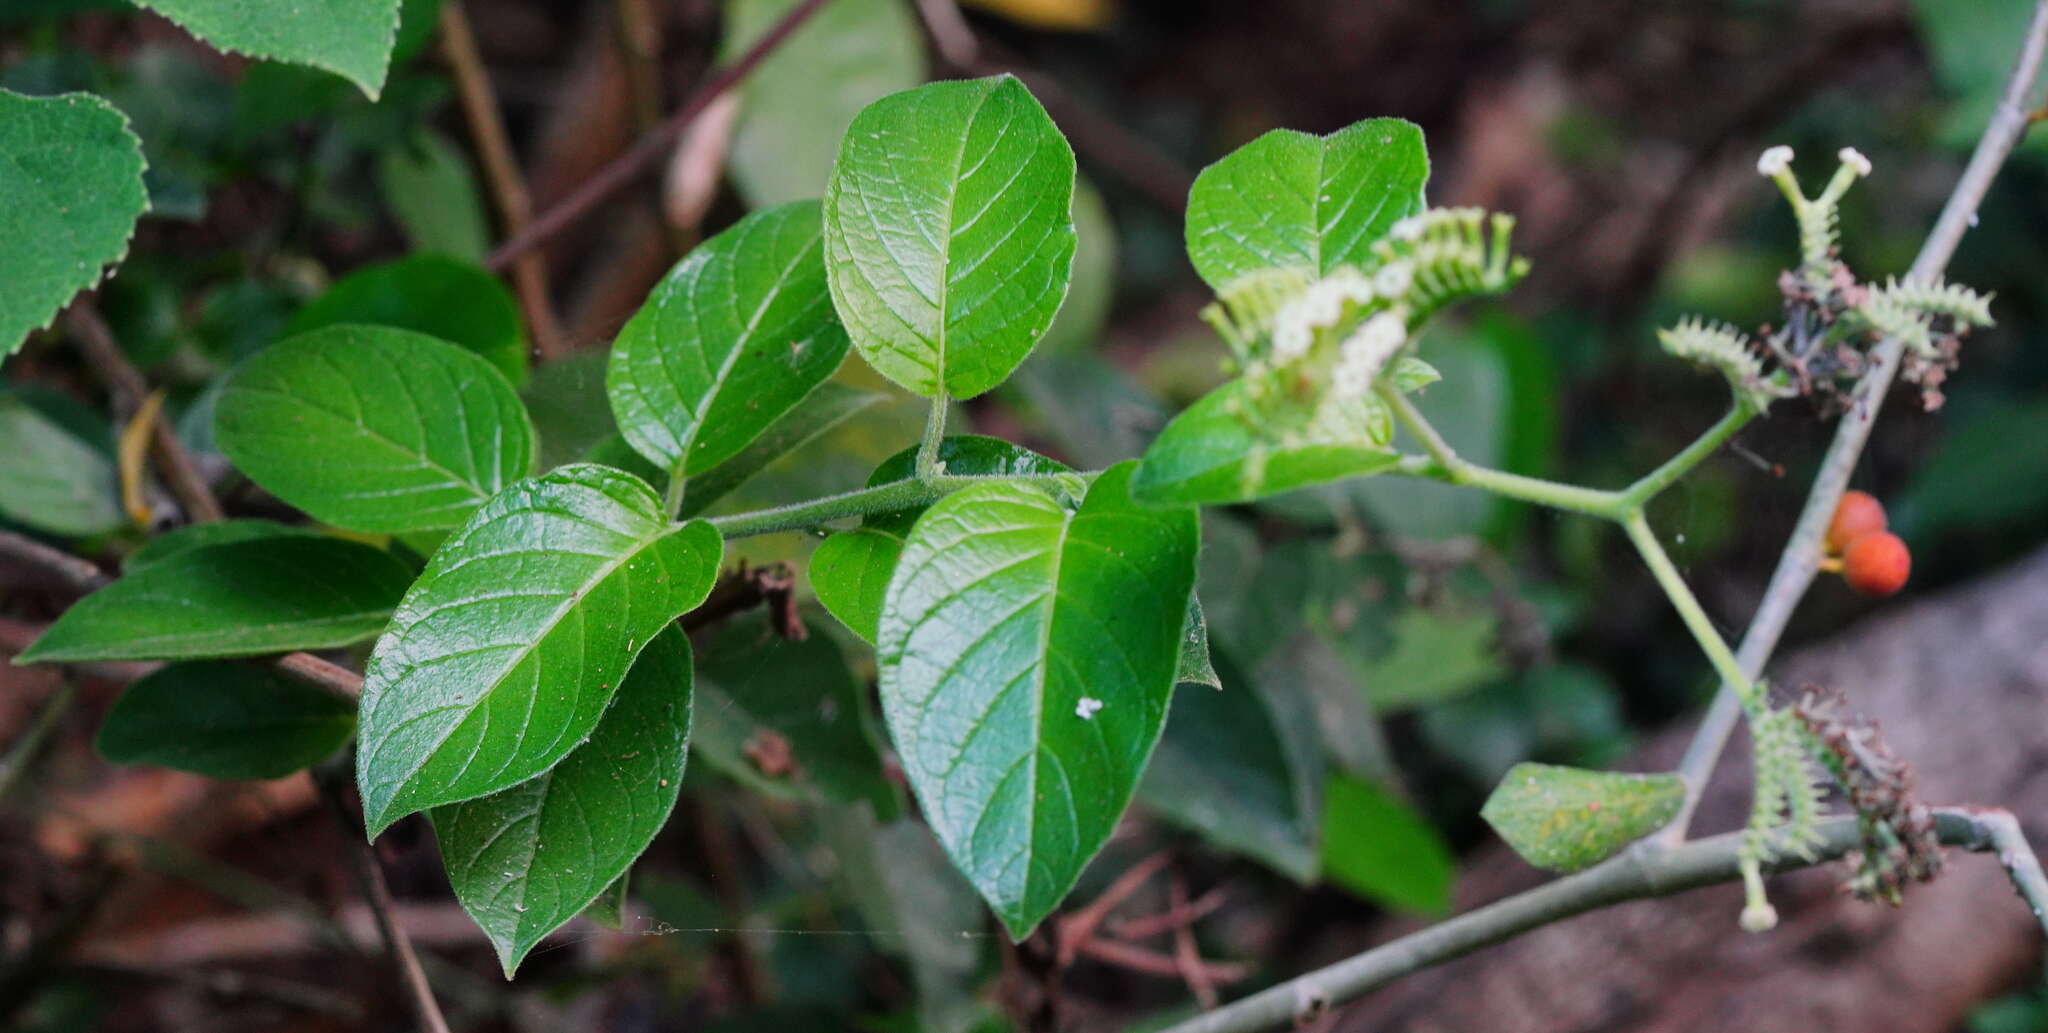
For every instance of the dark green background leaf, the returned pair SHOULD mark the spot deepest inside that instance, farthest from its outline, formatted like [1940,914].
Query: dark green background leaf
[56,481]
[438,295]
[225,720]
[375,429]
[1375,846]
[246,598]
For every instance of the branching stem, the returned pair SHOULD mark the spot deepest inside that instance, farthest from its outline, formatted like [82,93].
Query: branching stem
[882,498]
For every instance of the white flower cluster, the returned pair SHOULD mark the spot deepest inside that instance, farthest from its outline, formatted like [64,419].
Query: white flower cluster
[1774,161]
[1855,160]
[1318,308]
[1367,351]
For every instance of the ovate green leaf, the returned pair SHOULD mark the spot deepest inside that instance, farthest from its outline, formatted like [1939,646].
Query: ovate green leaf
[949,232]
[225,720]
[70,192]
[55,481]
[1196,666]
[1242,767]
[352,38]
[1565,819]
[443,297]
[375,429]
[735,336]
[1027,657]
[1377,847]
[1221,451]
[429,187]
[503,656]
[795,105]
[199,536]
[244,598]
[527,859]
[786,717]
[1292,199]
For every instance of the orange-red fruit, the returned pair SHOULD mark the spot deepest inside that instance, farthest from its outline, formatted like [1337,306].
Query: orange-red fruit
[1859,513]
[1877,564]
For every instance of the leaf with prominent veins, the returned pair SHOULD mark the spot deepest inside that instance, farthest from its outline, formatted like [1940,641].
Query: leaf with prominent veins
[737,334]
[374,428]
[507,650]
[527,859]
[949,232]
[1027,655]
[1292,199]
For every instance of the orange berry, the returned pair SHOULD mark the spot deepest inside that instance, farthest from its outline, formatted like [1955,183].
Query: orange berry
[1859,513]
[1877,564]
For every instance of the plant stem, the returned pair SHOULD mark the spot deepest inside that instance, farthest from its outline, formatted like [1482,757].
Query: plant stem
[934,435]
[1646,870]
[881,498]
[370,876]
[1643,490]
[1800,561]
[1450,468]
[1688,605]
[129,389]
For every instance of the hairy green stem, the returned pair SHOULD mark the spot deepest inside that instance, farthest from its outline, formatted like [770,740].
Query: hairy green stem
[1688,606]
[881,498]
[1450,468]
[1642,491]
[934,434]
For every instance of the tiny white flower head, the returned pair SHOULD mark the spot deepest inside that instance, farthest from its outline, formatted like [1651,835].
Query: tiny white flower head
[1291,336]
[1759,917]
[1366,352]
[1086,707]
[1774,161]
[1855,160]
[1409,228]
[1394,278]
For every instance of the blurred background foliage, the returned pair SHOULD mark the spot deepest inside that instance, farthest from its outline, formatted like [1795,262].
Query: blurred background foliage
[1403,643]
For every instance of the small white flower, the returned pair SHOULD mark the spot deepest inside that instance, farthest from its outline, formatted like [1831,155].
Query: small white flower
[1409,228]
[1774,161]
[1294,328]
[1855,160]
[1394,278]
[1086,708]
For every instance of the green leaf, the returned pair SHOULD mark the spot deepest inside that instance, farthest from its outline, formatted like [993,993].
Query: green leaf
[1376,847]
[609,909]
[1220,451]
[1566,819]
[1027,657]
[850,570]
[1292,199]
[70,193]
[798,101]
[374,429]
[199,536]
[1196,666]
[527,859]
[948,232]
[1242,767]
[446,298]
[829,405]
[735,336]
[765,700]
[352,38]
[55,481]
[427,183]
[566,401]
[508,649]
[225,720]
[245,598]
[1436,656]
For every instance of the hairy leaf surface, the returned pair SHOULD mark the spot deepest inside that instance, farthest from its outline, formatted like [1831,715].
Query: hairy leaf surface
[375,429]
[527,859]
[949,232]
[1293,199]
[246,598]
[734,337]
[70,192]
[1027,656]
[506,652]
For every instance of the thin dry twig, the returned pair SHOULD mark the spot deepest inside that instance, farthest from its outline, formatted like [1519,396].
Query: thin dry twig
[1077,928]
[652,147]
[1153,963]
[501,170]
[370,878]
[130,391]
[1186,956]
